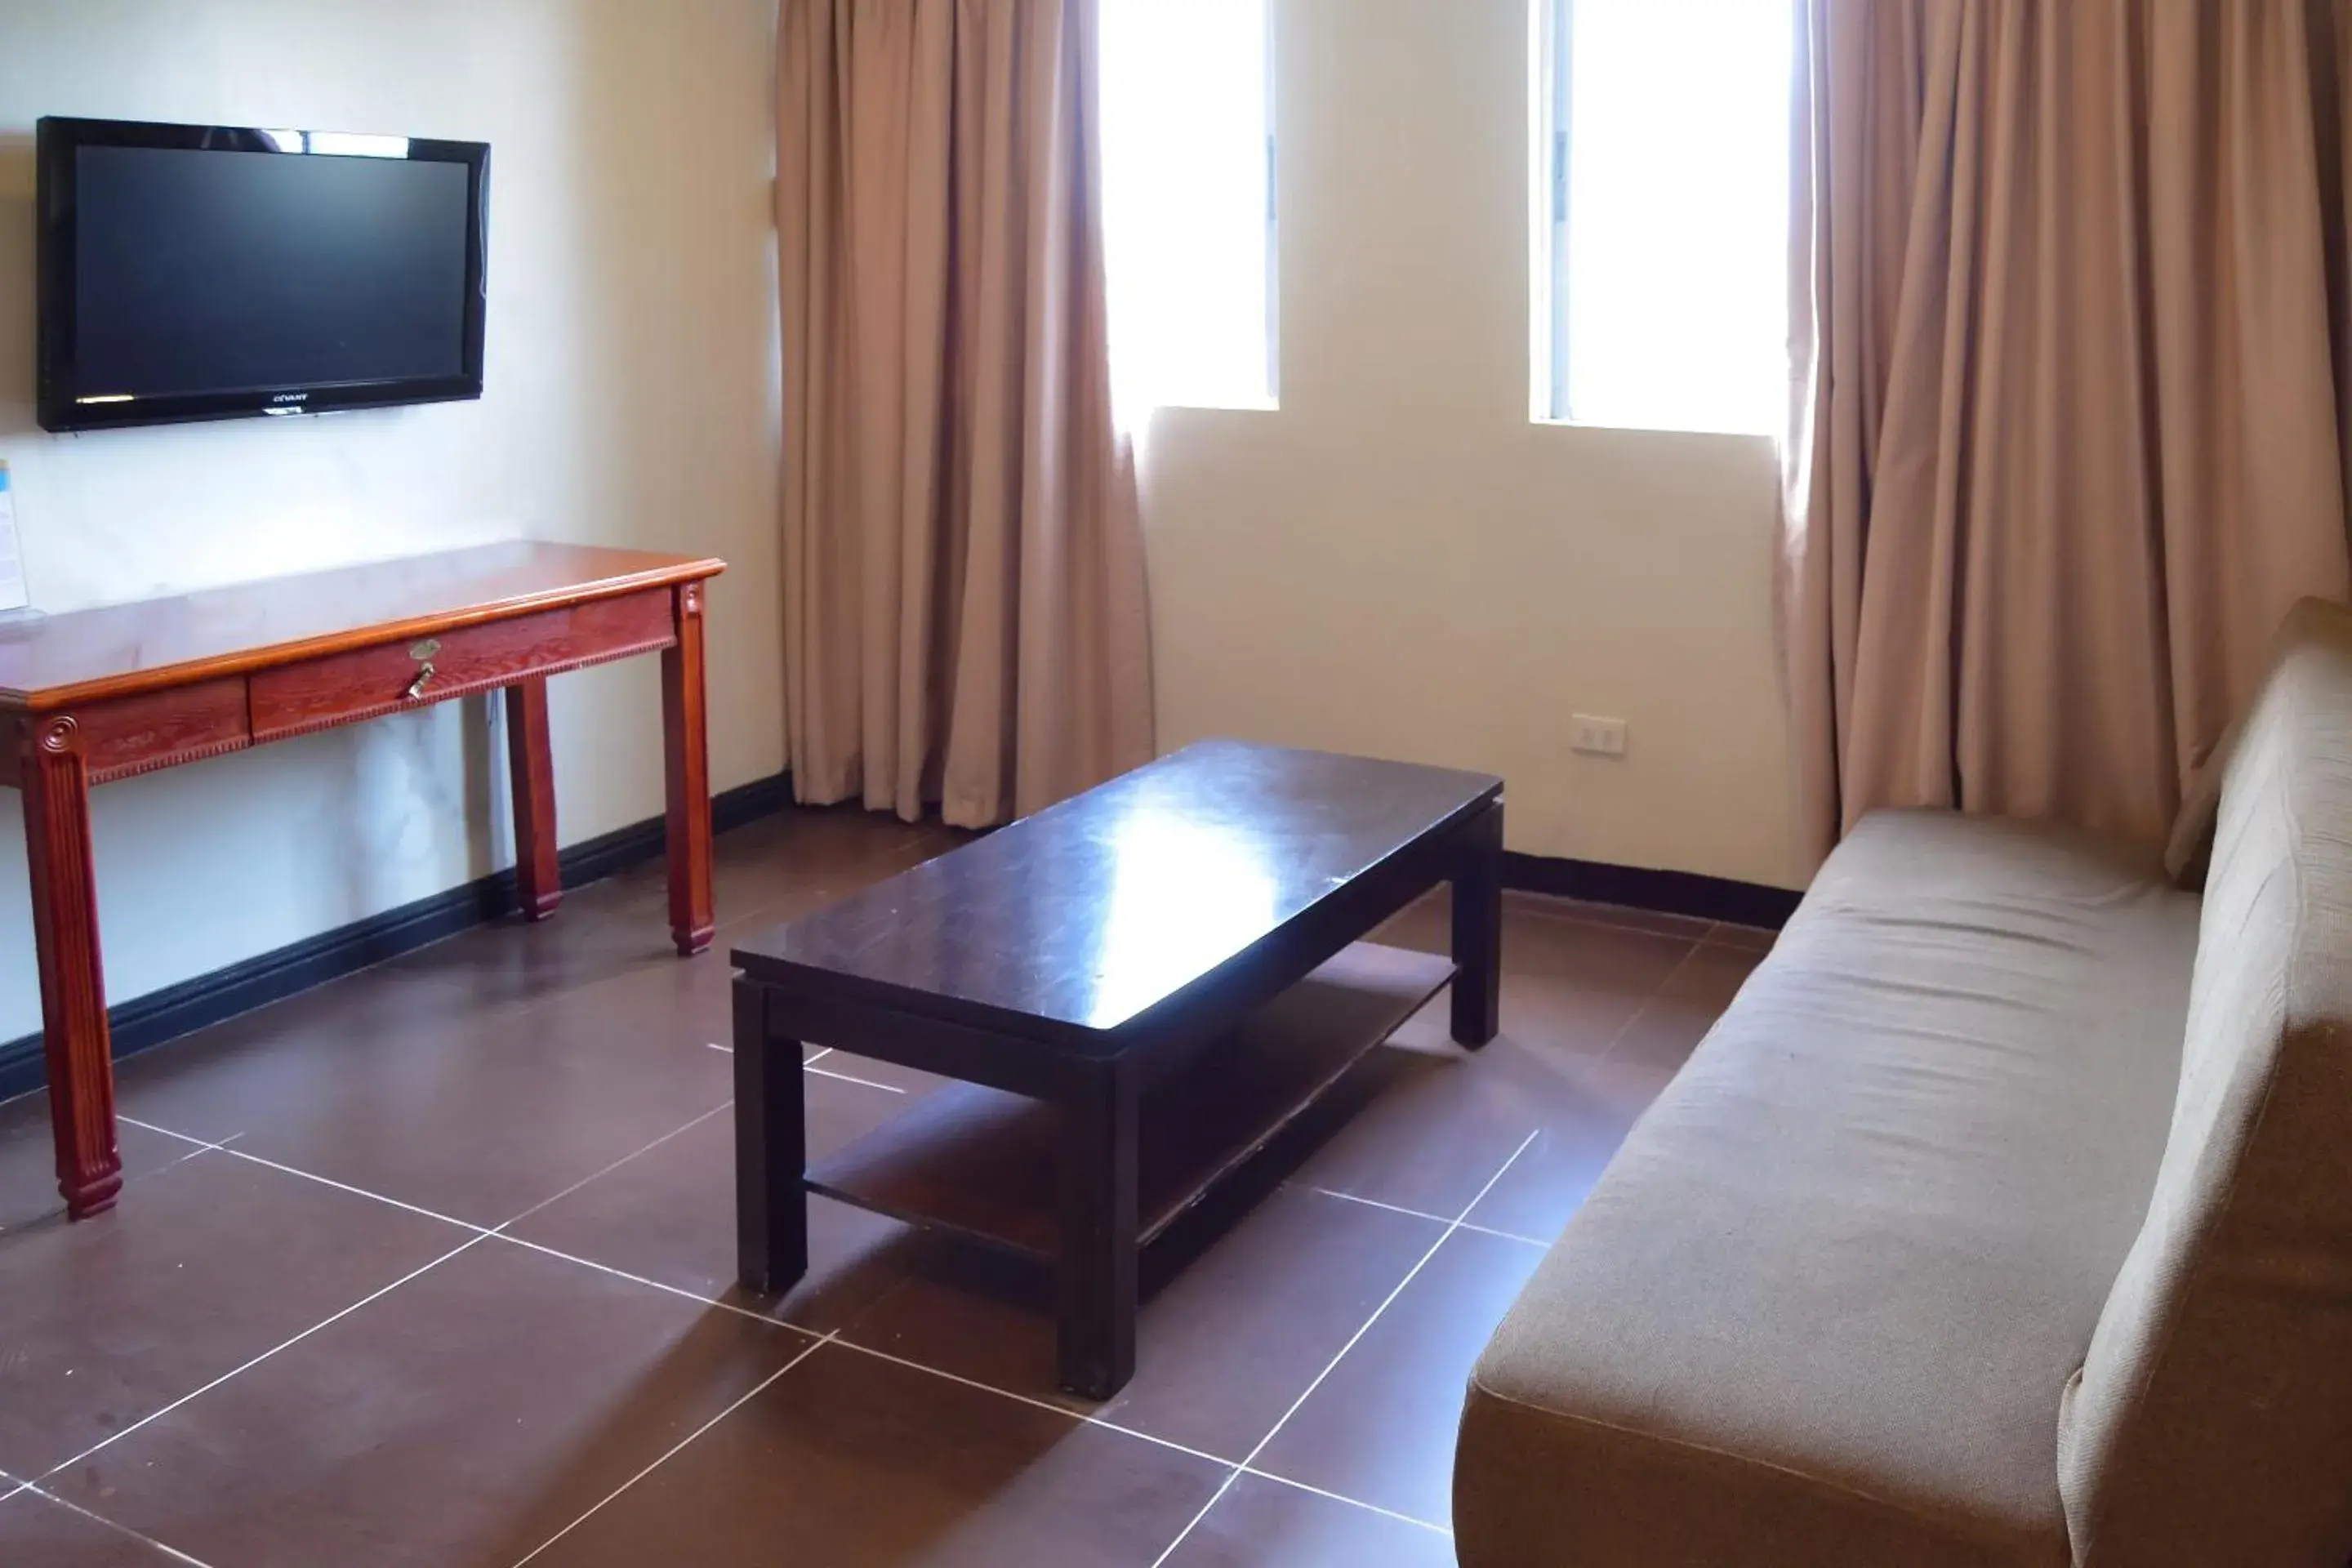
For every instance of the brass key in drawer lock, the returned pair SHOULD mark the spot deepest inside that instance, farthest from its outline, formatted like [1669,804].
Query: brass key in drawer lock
[423,653]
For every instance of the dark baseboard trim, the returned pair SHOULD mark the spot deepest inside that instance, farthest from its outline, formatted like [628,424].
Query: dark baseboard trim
[1666,892]
[149,1021]
[161,1017]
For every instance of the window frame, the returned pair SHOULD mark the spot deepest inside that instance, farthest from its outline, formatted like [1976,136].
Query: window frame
[1273,394]
[1551,227]
[1267,396]
[1553,37]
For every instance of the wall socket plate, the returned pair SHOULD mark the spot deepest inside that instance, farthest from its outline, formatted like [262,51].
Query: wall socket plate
[1596,737]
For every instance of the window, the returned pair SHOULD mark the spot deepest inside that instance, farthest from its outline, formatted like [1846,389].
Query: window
[1662,213]
[1188,203]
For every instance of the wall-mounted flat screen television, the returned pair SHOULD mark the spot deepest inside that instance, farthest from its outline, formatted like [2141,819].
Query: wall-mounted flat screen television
[207,272]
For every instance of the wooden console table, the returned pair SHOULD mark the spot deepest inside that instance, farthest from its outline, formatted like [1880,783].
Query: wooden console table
[102,694]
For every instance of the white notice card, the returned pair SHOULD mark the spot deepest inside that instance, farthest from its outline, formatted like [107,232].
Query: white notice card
[11,558]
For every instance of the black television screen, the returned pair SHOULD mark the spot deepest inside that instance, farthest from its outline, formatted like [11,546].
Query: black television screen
[203,272]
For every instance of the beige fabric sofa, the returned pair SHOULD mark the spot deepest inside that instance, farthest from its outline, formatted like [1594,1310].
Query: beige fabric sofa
[2005,1217]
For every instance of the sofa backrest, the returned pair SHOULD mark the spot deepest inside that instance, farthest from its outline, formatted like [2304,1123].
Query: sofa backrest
[2211,1420]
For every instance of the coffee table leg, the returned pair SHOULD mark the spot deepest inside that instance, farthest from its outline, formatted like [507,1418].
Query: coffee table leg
[1479,929]
[1097,1276]
[771,1150]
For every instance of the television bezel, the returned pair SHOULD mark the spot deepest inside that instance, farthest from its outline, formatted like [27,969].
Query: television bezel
[58,141]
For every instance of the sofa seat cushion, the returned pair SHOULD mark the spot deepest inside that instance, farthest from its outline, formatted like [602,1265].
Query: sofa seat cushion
[1822,1305]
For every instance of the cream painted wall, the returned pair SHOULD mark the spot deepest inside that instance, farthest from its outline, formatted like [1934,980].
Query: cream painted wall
[1396,561]
[631,401]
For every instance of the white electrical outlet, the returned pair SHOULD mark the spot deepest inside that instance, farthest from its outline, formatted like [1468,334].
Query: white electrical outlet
[1601,737]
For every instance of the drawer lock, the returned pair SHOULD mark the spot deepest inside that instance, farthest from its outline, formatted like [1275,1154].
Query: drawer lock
[423,653]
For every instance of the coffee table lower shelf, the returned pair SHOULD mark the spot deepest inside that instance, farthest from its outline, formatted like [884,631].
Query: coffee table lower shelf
[980,1163]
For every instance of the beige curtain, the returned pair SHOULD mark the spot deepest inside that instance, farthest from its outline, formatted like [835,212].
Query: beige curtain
[2068,430]
[964,598]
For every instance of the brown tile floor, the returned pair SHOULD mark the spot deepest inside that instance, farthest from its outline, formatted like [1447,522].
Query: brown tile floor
[433,1266]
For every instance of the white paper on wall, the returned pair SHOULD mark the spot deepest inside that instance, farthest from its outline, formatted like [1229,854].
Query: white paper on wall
[11,558]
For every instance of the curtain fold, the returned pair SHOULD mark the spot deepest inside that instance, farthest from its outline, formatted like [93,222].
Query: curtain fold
[2068,427]
[965,615]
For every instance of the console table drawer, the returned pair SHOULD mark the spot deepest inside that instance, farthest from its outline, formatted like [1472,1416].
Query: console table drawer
[367,682]
[155,730]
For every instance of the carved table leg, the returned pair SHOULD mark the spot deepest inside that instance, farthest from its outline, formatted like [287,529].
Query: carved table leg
[691,923]
[55,786]
[538,875]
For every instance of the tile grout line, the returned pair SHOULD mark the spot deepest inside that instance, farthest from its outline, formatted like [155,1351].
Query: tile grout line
[1080,1416]
[202,1143]
[114,1438]
[673,1132]
[1418,1213]
[684,1294]
[1626,1027]
[1087,1418]
[1083,1418]
[808,1061]
[480,1234]
[202,1147]
[1352,1502]
[844,1078]
[1250,1460]
[1575,917]
[1534,904]
[501,1234]
[762,1388]
[497,1233]
[70,1507]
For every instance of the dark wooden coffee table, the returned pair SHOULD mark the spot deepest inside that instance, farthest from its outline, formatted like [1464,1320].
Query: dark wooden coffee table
[1137,988]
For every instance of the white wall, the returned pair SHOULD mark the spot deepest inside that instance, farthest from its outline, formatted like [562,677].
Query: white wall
[631,401]
[1397,561]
